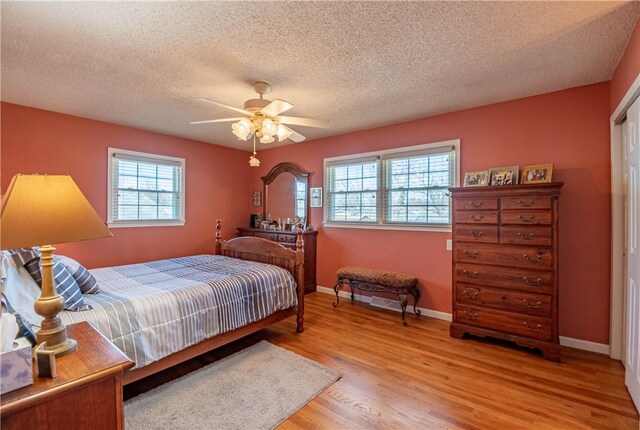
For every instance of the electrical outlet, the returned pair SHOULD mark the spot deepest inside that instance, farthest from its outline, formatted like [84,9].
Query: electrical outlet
[449,244]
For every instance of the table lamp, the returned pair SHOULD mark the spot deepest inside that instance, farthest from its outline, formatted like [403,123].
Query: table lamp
[46,209]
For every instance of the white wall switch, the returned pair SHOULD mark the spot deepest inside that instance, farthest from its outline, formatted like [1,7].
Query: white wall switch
[449,244]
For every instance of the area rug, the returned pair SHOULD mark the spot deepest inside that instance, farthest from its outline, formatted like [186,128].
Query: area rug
[256,388]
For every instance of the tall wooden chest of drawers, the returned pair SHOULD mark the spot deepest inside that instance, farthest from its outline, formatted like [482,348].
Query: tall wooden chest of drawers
[505,264]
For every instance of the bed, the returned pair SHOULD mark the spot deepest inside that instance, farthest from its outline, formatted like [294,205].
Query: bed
[164,312]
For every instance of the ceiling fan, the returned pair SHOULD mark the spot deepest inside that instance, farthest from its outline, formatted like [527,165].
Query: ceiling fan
[262,118]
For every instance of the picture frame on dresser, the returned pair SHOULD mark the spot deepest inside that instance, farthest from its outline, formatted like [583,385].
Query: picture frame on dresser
[500,176]
[476,179]
[537,173]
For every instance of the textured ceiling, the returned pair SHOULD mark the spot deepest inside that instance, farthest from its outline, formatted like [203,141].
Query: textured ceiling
[357,64]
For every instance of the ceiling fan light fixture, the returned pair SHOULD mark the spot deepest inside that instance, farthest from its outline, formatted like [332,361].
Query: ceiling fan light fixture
[268,128]
[267,139]
[284,132]
[242,129]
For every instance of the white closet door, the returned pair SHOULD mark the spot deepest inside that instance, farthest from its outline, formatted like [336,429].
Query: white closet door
[632,378]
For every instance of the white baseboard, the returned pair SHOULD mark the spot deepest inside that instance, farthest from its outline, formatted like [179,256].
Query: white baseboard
[391,305]
[585,345]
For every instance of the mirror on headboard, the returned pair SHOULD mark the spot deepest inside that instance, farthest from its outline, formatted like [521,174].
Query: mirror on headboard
[286,192]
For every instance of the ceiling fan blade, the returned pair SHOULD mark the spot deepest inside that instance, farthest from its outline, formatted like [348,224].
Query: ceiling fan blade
[246,112]
[208,121]
[306,122]
[296,137]
[276,107]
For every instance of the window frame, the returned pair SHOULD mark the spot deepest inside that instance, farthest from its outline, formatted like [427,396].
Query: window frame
[382,191]
[111,223]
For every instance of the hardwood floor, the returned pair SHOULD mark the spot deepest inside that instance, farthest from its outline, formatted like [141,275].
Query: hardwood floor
[417,377]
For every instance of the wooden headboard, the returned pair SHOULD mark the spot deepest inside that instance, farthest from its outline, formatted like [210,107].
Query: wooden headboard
[266,251]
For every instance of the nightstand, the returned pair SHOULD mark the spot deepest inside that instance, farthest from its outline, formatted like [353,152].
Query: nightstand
[86,394]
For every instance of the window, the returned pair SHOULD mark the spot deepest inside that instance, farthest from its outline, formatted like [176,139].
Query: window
[145,189]
[400,188]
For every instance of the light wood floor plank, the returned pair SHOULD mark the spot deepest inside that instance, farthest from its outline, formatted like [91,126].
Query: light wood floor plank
[417,377]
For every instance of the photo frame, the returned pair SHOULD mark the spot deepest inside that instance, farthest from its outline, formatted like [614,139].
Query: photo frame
[537,173]
[257,199]
[479,178]
[500,176]
[316,197]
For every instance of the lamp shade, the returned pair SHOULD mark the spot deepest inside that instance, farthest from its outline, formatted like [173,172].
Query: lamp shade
[47,209]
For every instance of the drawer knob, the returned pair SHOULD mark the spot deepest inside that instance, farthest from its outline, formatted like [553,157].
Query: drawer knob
[476,203]
[470,254]
[534,282]
[526,325]
[469,274]
[525,236]
[526,218]
[526,203]
[470,315]
[535,260]
[535,305]
[471,296]
[476,217]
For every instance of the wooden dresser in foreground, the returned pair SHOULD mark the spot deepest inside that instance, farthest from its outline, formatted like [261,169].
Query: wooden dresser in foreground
[505,264]
[86,394]
[288,239]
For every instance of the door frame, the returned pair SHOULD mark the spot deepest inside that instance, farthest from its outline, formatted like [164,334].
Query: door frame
[616,322]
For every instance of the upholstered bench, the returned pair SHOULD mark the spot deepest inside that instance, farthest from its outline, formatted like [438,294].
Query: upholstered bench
[374,280]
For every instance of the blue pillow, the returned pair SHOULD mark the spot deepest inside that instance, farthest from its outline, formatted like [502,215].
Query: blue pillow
[87,282]
[64,283]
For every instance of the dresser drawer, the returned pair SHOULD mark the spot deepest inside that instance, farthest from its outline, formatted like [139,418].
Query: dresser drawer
[531,217]
[523,325]
[288,238]
[476,233]
[246,233]
[526,303]
[270,236]
[526,202]
[526,235]
[476,203]
[505,255]
[476,217]
[503,277]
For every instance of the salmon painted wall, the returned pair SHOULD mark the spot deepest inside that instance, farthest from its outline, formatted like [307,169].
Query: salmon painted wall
[628,69]
[569,128]
[38,141]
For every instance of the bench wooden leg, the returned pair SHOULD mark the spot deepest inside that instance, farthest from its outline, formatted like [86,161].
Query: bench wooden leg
[402,298]
[416,296]
[337,287]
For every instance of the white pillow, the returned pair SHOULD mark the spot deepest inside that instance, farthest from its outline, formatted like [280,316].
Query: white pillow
[20,290]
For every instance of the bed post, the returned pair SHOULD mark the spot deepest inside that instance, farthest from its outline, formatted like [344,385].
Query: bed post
[218,236]
[300,278]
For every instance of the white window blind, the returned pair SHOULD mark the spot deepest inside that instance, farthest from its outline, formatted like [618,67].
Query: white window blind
[402,187]
[352,191]
[416,187]
[145,189]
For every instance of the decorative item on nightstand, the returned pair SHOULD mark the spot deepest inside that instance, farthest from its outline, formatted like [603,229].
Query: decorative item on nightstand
[45,209]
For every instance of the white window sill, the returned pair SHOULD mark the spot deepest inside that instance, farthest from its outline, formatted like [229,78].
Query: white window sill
[129,224]
[443,229]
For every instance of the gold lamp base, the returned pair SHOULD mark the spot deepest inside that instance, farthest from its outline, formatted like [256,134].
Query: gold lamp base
[49,305]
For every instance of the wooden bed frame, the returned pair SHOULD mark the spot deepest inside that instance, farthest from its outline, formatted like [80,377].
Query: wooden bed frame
[244,248]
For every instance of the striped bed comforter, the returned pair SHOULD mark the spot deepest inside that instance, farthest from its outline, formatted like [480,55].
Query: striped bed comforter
[154,309]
